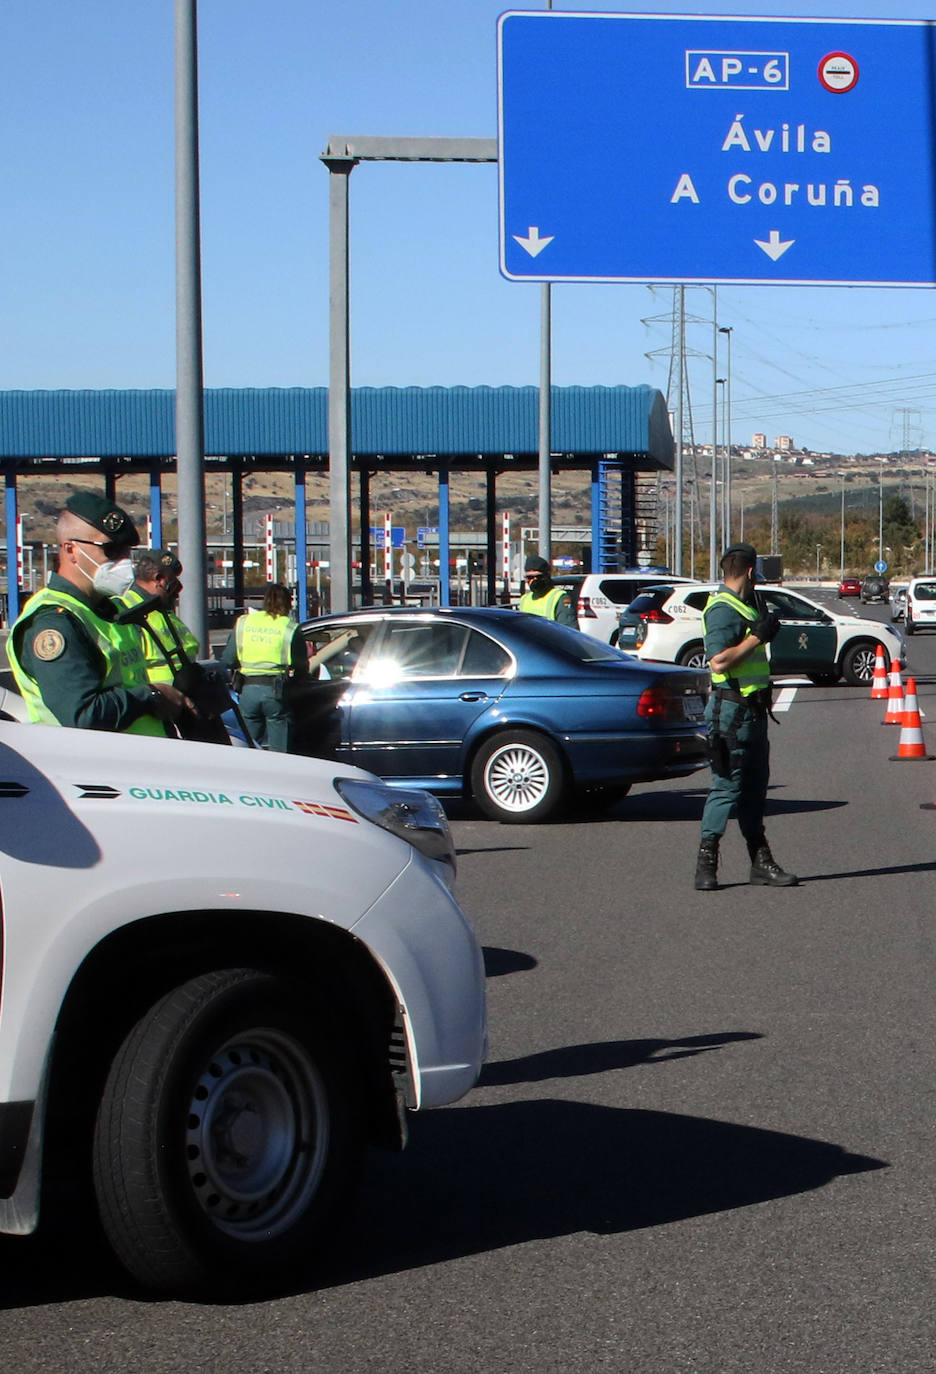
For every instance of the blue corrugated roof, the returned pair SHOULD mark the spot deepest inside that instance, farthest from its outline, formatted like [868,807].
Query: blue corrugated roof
[393,421]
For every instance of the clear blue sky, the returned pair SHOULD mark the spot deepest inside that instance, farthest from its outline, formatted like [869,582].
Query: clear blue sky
[87,296]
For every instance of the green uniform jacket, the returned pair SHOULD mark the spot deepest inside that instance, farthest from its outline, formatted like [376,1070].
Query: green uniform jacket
[554,604]
[157,669]
[75,667]
[726,621]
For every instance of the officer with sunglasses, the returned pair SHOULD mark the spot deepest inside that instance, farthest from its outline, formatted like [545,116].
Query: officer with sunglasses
[74,663]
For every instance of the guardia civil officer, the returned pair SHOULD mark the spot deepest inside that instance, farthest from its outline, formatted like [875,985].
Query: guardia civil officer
[543,597]
[736,632]
[266,646]
[73,663]
[157,572]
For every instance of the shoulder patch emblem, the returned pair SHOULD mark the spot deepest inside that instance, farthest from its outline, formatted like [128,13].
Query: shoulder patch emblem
[49,645]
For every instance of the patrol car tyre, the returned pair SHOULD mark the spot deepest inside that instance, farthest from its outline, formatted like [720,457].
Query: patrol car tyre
[226,1138]
[693,656]
[858,664]
[517,777]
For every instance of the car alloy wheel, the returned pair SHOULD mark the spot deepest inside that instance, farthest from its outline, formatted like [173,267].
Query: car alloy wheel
[518,776]
[858,664]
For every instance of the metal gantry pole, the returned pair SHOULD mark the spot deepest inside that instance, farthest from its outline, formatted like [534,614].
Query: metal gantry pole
[190,423]
[713,494]
[339,385]
[545,421]
[678,515]
[545,427]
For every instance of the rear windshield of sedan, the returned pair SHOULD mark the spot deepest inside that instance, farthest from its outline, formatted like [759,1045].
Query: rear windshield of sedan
[571,643]
[925,591]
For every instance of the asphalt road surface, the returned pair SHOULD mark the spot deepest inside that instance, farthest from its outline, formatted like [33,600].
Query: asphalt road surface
[703,1141]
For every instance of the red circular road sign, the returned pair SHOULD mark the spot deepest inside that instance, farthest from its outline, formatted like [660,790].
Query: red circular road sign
[838,72]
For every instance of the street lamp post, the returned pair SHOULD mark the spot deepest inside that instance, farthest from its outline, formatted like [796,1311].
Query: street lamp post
[818,552]
[721,382]
[842,561]
[727,330]
[881,514]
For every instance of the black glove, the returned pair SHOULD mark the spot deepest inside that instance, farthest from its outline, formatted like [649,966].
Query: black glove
[766,627]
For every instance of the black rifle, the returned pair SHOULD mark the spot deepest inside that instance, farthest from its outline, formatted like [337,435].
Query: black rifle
[207,689]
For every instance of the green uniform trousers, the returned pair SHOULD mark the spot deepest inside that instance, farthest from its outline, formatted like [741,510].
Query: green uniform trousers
[740,768]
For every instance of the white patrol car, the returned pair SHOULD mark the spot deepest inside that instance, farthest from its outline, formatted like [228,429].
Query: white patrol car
[224,972]
[665,622]
[601,597]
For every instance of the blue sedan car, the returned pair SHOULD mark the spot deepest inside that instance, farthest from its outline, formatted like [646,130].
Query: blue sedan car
[510,709]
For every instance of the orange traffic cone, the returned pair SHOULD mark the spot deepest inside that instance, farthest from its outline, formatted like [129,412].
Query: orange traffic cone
[879,681]
[895,697]
[911,744]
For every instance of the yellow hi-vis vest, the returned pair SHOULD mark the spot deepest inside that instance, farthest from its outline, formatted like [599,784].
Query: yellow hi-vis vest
[543,605]
[119,646]
[263,643]
[753,673]
[157,669]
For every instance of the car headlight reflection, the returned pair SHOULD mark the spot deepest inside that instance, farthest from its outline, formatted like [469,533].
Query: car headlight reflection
[414,816]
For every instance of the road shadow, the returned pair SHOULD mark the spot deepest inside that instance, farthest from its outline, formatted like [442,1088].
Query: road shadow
[687,805]
[480,1178]
[576,1061]
[883,872]
[476,1179]
[498,962]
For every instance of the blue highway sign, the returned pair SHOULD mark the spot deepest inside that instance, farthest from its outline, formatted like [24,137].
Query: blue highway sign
[397,536]
[672,148]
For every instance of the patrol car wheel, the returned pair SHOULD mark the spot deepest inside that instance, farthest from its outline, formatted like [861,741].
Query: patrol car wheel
[693,656]
[518,777]
[858,664]
[225,1140]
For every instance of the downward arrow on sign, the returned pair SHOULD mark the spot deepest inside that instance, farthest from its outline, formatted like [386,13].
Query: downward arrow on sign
[775,247]
[533,243]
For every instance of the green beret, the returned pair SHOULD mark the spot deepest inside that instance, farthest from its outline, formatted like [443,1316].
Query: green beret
[746,551]
[536,564]
[165,560]
[112,521]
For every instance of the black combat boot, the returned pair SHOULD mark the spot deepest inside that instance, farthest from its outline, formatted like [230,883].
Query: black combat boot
[707,865]
[765,871]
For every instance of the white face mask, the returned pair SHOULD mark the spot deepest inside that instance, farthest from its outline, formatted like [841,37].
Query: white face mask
[113,579]
[110,578]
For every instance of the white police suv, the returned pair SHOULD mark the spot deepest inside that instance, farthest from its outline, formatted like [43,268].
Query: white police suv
[665,622]
[225,972]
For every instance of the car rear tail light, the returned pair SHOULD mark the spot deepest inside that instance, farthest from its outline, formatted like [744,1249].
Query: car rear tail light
[658,617]
[653,703]
[585,608]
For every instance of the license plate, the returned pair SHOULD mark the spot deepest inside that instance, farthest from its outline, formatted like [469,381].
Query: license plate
[694,708]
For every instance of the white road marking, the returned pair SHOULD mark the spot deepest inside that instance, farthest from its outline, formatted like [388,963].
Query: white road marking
[784,699]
